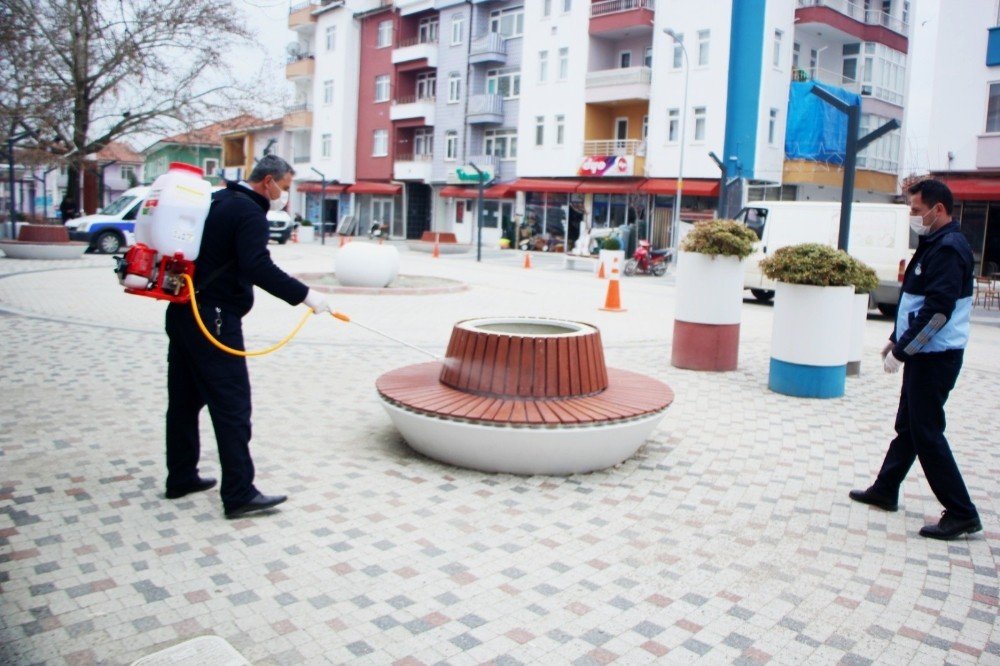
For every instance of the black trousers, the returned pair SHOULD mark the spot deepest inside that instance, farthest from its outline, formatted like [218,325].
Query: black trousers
[198,374]
[920,423]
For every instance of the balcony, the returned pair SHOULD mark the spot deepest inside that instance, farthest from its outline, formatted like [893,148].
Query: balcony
[301,67]
[410,50]
[300,14]
[855,9]
[408,108]
[413,167]
[632,154]
[615,19]
[488,48]
[618,85]
[485,110]
[298,117]
[864,88]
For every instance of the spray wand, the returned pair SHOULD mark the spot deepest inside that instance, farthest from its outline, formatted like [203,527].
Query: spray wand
[344,318]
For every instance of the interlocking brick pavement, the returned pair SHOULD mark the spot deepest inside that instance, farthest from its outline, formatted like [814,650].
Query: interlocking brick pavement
[728,537]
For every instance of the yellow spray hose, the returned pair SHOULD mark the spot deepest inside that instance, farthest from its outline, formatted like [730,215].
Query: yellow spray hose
[239,352]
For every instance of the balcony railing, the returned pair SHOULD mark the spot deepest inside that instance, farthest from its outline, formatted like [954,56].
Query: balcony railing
[485,104]
[296,6]
[488,48]
[858,12]
[620,77]
[414,99]
[606,7]
[413,41]
[865,88]
[414,157]
[615,147]
[300,159]
[298,106]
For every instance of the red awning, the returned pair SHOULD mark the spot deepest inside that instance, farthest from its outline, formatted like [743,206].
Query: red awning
[544,185]
[609,186]
[974,189]
[369,187]
[459,192]
[502,191]
[694,188]
[313,187]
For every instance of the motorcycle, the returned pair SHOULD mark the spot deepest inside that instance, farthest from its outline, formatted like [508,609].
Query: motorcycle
[647,260]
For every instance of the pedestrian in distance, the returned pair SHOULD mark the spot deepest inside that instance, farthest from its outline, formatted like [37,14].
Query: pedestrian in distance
[928,343]
[68,210]
[233,258]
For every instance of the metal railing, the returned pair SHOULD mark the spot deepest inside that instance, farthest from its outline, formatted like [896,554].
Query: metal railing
[615,147]
[298,106]
[620,77]
[296,57]
[485,104]
[866,88]
[414,157]
[858,12]
[300,159]
[491,42]
[414,99]
[298,6]
[482,161]
[606,7]
[415,41]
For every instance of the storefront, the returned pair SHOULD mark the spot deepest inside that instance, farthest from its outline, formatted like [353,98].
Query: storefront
[335,203]
[375,204]
[977,209]
[460,205]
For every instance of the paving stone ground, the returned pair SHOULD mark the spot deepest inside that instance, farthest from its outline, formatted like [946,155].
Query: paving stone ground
[728,538]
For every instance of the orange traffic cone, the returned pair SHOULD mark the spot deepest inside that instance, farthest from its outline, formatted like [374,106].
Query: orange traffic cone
[437,248]
[295,234]
[600,270]
[527,260]
[613,300]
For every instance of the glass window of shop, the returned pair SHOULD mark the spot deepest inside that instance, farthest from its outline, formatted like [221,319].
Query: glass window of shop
[609,210]
[545,215]
[497,213]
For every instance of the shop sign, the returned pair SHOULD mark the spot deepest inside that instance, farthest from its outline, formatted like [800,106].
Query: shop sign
[607,166]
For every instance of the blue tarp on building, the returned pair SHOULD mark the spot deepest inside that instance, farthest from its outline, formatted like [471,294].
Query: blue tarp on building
[816,131]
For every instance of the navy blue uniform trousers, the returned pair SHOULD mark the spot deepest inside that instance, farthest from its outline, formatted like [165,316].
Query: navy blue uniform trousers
[920,422]
[199,375]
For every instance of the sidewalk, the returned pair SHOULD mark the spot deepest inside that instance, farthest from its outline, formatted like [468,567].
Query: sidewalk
[729,537]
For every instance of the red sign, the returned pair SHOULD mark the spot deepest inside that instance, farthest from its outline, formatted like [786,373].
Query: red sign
[607,165]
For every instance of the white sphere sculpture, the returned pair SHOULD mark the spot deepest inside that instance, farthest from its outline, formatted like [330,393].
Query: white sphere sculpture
[366,265]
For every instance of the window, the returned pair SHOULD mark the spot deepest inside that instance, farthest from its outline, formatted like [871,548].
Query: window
[457,29]
[423,141]
[501,143]
[454,88]
[560,130]
[624,59]
[426,85]
[384,34]
[380,143]
[508,22]
[567,6]
[796,49]
[813,62]
[647,59]
[563,63]
[546,8]
[699,123]
[128,172]
[993,109]
[325,143]
[704,38]
[427,32]
[382,88]
[328,92]
[543,66]
[539,130]
[331,38]
[210,166]
[645,127]
[504,82]
[673,122]
[772,122]
[777,48]
[678,51]
[849,66]
[451,145]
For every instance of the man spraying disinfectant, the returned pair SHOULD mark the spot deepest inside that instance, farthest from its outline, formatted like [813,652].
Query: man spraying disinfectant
[227,256]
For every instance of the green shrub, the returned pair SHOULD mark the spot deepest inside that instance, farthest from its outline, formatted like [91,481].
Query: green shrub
[812,264]
[305,223]
[611,243]
[864,278]
[723,237]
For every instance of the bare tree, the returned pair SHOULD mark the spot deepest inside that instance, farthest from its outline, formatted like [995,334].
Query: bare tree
[83,73]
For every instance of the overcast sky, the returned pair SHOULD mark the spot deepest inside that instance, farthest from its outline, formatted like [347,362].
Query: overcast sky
[269,20]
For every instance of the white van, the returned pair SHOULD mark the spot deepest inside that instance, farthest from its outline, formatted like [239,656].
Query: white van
[880,236]
[112,228]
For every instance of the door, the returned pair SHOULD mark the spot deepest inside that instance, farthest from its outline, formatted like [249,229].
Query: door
[382,214]
[621,133]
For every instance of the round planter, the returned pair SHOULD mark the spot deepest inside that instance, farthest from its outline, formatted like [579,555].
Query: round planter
[708,312]
[607,258]
[19,249]
[859,316]
[810,340]
[306,234]
[366,265]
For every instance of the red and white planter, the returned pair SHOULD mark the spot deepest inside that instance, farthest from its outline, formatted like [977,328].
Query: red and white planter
[859,316]
[708,312]
[811,340]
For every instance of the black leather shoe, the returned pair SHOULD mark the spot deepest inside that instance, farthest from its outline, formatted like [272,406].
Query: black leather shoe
[871,497]
[949,528]
[261,502]
[198,486]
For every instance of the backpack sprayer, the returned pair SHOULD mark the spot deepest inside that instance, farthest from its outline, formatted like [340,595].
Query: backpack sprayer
[168,232]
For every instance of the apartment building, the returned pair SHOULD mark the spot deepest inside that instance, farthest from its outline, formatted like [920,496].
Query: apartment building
[953,115]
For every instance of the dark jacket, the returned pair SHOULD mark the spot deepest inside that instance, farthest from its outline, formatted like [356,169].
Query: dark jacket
[935,301]
[235,236]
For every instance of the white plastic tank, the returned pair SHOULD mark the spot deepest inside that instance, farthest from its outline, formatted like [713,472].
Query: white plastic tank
[172,217]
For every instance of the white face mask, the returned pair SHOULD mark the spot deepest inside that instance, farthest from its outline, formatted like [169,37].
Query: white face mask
[917,225]
[280,202]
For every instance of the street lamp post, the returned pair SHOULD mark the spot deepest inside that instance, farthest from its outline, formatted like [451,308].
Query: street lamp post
[11,140]
[322,206]
[675,218]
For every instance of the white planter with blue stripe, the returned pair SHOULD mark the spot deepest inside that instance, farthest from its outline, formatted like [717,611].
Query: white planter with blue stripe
[859,317]
[810,340]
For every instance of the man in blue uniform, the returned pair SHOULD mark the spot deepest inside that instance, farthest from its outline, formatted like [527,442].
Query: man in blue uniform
[932,330]
[233,258]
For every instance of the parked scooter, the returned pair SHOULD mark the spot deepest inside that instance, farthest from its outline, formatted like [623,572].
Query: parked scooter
[647,260]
